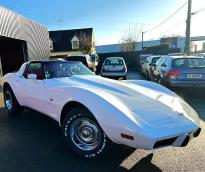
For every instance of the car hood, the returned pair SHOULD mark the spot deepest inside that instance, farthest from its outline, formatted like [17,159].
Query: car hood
[147,105]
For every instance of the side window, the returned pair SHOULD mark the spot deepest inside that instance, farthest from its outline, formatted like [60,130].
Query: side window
[159,62]
[164,63]
[34,68]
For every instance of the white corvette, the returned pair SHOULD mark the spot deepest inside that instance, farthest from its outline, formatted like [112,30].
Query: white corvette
[94,111]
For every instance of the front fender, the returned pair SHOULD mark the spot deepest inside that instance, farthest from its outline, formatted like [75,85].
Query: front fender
[113,115]
[11,80]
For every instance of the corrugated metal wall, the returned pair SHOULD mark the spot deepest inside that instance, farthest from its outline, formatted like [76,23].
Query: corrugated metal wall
[15,26]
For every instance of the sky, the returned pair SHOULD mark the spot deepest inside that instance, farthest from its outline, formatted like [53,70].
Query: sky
[111,19]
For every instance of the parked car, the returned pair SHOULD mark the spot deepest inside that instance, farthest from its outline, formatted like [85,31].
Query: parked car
[95,112]
[180,71]
[114,67]
[84,58]
[142,59]
[148,65]
[95,59]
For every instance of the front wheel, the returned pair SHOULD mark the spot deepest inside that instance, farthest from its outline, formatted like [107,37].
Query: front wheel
[83,134]
[11,102]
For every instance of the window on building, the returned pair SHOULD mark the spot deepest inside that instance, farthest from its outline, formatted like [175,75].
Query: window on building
[75,43]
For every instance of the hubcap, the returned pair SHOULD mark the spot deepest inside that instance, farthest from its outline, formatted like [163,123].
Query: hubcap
[85,134]
[8,100]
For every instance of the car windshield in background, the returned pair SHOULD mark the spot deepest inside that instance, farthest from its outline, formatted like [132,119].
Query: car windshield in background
[93,57]
[189,63]
[65,69]
[114,62]
[76,58]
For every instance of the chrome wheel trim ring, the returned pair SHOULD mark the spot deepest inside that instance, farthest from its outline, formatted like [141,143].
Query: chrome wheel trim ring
[85,134]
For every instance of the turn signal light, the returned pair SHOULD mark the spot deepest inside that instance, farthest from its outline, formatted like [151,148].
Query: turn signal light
[124,69]
[103,69]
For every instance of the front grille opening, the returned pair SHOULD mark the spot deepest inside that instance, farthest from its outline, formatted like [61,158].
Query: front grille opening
[196,134]
[165,142]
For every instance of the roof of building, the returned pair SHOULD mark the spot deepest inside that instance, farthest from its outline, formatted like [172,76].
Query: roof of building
[62,38]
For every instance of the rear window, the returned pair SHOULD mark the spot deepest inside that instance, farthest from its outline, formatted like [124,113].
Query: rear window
[115,62]
[189,63]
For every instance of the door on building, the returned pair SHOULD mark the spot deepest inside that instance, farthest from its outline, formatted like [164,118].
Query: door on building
[13,54]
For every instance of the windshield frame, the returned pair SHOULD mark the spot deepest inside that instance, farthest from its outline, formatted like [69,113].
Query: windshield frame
[69,73]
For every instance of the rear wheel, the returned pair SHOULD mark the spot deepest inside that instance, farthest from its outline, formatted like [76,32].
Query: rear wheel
[83,134]
[147,75]
[11,102]
[159,80]
[124,77]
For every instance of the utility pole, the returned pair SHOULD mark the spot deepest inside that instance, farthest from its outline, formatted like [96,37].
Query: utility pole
[188,25]
[142,41]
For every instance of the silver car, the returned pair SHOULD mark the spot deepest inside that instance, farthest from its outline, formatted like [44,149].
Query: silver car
[114,67]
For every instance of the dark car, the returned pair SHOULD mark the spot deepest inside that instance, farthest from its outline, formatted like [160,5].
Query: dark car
[180,71]
[84,58]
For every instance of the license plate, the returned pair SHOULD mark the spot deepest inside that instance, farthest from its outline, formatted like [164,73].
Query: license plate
[194,75]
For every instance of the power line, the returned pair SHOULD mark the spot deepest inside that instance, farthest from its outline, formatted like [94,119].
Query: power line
[167,18]
[176,25]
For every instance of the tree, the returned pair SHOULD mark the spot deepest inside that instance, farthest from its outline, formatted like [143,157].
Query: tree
[130,39]
[87,45]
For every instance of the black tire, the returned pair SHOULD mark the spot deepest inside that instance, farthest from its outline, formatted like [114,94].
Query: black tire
[11,103]
[147,75]
[124,77]
[73,136]
[161,82]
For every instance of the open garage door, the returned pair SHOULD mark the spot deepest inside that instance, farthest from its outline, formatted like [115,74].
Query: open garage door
[13,53]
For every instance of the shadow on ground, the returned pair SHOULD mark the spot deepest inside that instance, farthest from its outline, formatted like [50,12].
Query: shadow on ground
[196,98]
[33,142]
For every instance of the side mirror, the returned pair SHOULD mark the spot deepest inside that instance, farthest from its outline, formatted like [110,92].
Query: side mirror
[32,76]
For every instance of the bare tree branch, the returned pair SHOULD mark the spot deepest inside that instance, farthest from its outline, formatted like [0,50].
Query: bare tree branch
[130,39]
[86,43]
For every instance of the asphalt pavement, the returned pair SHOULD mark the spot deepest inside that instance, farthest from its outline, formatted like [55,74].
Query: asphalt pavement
[32,142]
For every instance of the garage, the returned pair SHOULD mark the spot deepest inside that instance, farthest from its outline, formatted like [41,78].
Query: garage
[13,53]
[21,39]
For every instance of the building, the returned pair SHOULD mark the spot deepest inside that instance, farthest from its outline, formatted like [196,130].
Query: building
[76,41]
[173,42]
[21,39]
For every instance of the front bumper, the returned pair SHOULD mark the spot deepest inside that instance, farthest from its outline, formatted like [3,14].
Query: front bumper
[148,143]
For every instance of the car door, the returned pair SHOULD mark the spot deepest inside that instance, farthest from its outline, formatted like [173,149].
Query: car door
[157,66]
[32,90]
[163,68]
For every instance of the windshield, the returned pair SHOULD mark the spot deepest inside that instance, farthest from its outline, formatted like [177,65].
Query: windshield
[59,69]
[189,63]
